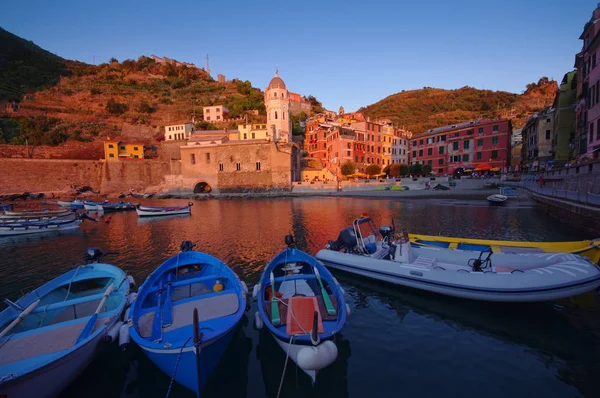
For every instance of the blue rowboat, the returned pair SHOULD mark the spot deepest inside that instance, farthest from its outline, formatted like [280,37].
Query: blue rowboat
[5,207]
[75,204]
[307,310]
[51,334]
[161,319]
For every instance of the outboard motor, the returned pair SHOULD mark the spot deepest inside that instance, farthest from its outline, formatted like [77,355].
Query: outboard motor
[387,233]
[187,246]
[290,241]
[346,240]
[92,255]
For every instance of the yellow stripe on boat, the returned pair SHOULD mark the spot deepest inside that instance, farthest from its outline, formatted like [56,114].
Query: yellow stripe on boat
[587,248]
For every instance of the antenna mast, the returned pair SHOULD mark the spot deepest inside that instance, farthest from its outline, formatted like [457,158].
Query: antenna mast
[207,68]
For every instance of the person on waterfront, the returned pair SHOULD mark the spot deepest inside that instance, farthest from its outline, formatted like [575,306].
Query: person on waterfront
[541,180]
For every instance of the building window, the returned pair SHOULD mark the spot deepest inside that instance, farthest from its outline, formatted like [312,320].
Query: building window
[441,161]
[466,144]
[414,154]
[208,110]
[122,147]
[430,151]
[218,110]
[429,162]
[258,166]
[111,155]
[193,158]
[480,142]
[238,166]
[208,118]
[221,167]
[253,136]
[420,142]
[420,152]
[218,117]
[479,155]
[111,146]
[208,158]
[494,140]
[495,129]
[348,153]
[494,154]
[547,134]
[356,158]
[135,148]
[275,115]
[245,136]
[415,143]
[470,132]
[455,145]
[480,131]
[465,158]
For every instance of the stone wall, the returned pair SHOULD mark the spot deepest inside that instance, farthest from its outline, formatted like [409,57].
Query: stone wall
[46,175]
[43,175]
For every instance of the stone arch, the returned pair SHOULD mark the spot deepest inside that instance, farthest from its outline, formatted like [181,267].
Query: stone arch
[202,187]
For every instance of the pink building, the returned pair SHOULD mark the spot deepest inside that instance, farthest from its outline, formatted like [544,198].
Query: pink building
[589,66]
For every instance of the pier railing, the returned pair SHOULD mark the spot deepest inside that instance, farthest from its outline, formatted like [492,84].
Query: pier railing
[583,190]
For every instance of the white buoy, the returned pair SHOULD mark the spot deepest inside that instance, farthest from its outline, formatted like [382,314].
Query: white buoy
[258,322]
[113,332]
[131,281]
[244,287]
[131,298]
[124,336]
[316,358]
[255,291]
[348,312]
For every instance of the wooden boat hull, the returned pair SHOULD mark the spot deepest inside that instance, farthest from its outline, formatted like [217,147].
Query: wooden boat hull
[586,248]
[40,360]
[158,213]
[12,229]
[188,281]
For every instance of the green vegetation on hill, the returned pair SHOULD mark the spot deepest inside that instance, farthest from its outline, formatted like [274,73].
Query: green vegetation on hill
[25,67]
[420,110]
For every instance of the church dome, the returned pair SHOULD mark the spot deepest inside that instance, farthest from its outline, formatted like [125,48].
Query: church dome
[277,82]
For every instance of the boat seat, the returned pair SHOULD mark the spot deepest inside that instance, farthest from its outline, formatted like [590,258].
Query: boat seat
[81,310]
[283,309]
[425,261]
[300,315]
[208,308]
[190,290]
[46,341]
[297,286]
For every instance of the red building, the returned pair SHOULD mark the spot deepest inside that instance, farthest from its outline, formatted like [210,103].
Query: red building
[481,145]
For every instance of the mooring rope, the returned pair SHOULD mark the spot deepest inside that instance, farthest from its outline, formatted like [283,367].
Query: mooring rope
[176,366]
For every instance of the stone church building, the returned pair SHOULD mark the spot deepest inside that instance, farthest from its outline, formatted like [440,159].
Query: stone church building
[214,161]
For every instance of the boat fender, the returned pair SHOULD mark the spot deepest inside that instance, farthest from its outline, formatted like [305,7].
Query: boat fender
[131,281]
[316,358]
[123,336]
[258,322]
[255,291]
[131,298]
[218,286]
[348,312]
[113,332]
[244,287]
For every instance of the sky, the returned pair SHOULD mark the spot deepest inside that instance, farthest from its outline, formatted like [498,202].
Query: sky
[344,52]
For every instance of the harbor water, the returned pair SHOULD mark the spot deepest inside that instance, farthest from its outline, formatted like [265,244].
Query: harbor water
[397,341]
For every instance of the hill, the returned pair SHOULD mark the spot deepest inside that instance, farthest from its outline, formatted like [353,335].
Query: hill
[69,100]
[420,110]
[25,67]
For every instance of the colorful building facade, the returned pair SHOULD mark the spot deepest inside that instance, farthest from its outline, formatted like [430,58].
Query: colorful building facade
[117,149]
[482,144]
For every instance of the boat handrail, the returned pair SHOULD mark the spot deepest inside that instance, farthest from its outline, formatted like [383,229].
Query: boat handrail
[295,277]
[191,281]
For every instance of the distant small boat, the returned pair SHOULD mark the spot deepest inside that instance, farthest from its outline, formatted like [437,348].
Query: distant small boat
[33,227]
[5,207]
[497,199]
[67,216]
[148,211]
[121,206]
[42,212]
[302,305]
[186,313]
[75,204]
[50,335]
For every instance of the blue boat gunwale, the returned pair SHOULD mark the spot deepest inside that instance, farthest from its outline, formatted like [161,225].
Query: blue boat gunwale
[90,271]
[296,255]
[149,287]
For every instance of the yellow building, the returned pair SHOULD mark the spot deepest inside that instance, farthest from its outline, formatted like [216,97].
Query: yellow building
[386,146]
[118,150]
[253,132]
